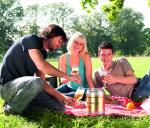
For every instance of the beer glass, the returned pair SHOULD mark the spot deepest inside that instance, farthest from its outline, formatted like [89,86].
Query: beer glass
[103,74]
[79,93]
[75,69]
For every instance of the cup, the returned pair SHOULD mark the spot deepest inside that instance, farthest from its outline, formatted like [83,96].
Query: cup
[79,93]
[75,70]
[103,74]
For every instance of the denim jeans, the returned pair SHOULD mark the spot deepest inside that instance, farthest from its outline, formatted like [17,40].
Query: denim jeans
[25,91]
[45,101]
[143,90]
[66,90]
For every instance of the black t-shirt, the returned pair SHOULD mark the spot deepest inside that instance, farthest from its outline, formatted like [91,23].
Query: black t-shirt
[17,62]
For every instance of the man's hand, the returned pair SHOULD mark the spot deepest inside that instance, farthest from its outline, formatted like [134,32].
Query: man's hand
[69,101]
[75,78]
[109,79]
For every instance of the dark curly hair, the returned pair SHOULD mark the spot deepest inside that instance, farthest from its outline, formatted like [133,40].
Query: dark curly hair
[51,31]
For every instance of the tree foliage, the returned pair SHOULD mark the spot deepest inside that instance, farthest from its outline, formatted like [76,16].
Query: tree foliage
[148,2]
[94,27]
[88,5]
[59,13]
[128,32]
[30,21]
[112,8]
[10,13]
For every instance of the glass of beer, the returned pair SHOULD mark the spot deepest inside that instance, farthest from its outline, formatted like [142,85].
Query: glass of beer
[75,69]
[79,93]
[103,74]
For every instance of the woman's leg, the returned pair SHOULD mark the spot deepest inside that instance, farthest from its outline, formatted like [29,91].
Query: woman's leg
[66,90]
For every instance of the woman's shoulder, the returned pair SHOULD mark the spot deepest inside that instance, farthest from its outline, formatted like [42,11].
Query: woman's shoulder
[63,57]
[86,55]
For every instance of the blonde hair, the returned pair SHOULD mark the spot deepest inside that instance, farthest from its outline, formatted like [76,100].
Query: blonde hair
[75,36]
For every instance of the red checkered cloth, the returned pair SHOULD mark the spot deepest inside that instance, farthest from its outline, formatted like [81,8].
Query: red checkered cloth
[110,109]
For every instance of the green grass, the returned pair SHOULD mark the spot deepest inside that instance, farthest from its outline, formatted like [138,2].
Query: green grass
[50,119]
[139,64]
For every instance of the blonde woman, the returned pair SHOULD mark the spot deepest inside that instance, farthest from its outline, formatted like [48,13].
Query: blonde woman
[77,58]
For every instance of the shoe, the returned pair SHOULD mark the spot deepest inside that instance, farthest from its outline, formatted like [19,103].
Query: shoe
[8,109]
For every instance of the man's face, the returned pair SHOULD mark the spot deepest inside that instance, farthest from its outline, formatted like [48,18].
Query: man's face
[106,56]
[54,43]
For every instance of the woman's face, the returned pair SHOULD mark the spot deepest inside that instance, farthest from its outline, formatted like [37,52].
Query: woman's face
[77,46]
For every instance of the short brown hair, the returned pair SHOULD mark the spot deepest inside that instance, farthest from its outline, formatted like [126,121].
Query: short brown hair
[105,45]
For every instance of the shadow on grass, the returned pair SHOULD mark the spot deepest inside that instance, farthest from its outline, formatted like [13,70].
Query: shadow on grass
[48,118]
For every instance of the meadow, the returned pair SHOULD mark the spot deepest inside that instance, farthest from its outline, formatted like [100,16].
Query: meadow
[51,119]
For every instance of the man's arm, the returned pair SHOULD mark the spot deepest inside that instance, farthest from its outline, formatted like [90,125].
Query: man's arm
[47,68]
[51,91]
[40,74]
[128,79]
[48,89]
[97,80]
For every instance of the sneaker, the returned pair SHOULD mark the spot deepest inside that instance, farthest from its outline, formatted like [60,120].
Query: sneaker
[8,109]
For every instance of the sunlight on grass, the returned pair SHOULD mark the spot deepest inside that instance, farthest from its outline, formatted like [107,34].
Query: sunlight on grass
[140,64]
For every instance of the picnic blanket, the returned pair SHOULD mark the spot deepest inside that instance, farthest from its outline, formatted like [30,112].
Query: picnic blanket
[110,109]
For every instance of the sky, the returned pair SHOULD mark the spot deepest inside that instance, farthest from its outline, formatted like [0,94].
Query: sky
[137,5]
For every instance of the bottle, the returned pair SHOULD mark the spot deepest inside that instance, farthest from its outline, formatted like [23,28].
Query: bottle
[95,101]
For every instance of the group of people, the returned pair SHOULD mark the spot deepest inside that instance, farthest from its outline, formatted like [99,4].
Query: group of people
[22,78]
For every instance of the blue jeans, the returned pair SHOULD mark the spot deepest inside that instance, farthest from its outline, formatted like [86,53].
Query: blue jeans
[25,91]
[143,90]
[69,91]
[44,101]
[66,90]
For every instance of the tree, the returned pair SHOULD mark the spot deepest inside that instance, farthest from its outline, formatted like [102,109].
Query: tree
[30,21]
[11,12]
[59,13]
[128,32]
[148,2]
[112,9]
[146,41]
[94,27]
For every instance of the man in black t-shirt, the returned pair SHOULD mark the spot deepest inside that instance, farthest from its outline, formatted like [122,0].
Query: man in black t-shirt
[22,75]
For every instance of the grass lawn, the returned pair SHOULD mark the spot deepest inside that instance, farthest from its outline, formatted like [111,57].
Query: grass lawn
[50,119]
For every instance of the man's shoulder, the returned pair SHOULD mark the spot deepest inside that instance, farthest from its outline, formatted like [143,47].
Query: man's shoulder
[121,60]
[31,37]
[97,70]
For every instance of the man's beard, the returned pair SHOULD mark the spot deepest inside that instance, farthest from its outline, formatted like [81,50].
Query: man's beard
[51,49]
